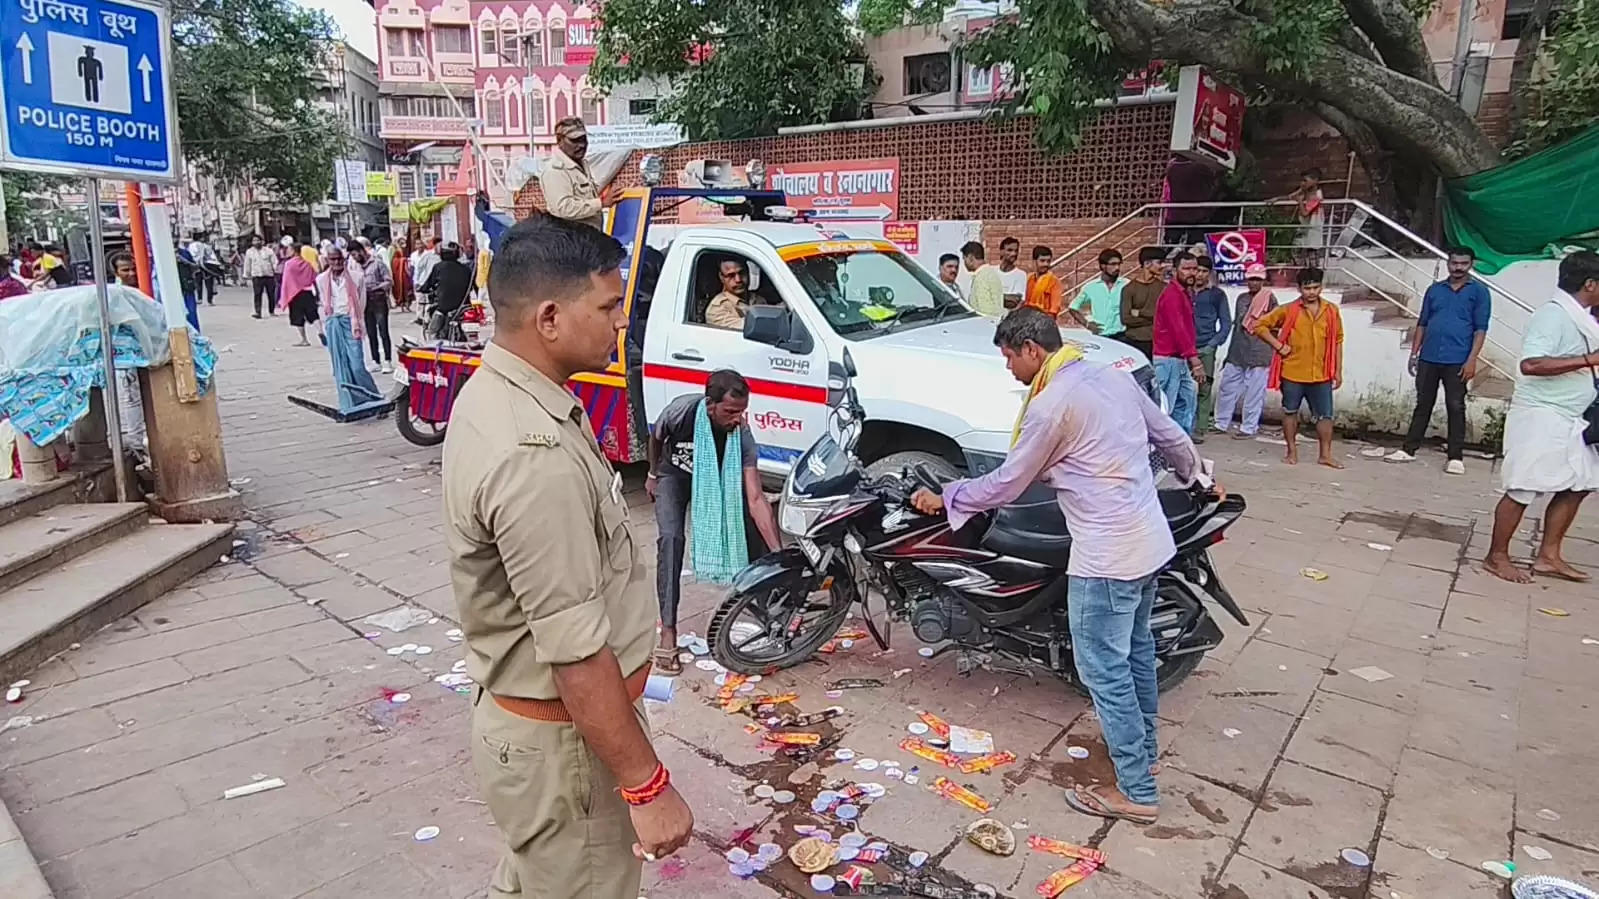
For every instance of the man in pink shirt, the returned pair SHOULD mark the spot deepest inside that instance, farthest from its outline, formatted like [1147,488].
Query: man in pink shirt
[1178,369]
[1086,432]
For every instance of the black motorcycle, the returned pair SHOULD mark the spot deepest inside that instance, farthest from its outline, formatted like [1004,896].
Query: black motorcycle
[995,589]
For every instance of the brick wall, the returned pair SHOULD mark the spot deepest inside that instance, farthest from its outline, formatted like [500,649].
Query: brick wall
[972,170]
[1303,141]
[1494,117]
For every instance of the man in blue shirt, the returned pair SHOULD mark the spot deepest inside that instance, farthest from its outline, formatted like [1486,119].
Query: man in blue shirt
[1449,336]
[1212,322]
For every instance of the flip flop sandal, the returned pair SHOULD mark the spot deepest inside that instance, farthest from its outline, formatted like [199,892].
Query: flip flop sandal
[1550,572]
[666,661]
[1096,807]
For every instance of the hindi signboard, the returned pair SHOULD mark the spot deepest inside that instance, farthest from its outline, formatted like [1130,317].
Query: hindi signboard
[86,89]
[863,189]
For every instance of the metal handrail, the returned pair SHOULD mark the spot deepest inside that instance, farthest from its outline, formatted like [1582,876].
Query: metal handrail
[1148,209]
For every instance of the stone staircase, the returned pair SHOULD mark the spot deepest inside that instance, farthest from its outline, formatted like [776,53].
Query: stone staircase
[72,562]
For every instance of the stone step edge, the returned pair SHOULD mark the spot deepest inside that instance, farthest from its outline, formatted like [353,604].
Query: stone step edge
[75,623]
[20,877]
[70,546]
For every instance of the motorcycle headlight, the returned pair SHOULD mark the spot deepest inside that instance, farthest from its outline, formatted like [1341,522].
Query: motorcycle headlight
[798,514]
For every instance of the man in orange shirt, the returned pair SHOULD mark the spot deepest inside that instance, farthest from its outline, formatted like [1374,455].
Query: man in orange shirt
[1043,288]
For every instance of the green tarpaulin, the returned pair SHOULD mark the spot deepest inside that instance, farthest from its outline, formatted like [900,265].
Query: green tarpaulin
[1528,209]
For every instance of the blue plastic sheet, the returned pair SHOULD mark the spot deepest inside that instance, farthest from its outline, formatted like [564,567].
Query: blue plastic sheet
[50,354]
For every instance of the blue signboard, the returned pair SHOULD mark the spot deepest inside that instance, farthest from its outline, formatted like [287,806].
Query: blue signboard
[86,87]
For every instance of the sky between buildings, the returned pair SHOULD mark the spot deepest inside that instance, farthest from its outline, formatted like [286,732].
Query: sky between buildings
[355,19]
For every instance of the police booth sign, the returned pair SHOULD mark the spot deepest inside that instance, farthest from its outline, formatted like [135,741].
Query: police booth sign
[86,88]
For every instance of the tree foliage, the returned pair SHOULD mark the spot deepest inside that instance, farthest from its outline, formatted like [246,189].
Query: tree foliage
[1564,98]
[246,73]
[1360,64]
[736,68]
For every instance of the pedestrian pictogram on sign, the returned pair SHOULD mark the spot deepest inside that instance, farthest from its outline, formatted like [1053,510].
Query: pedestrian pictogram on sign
[86,88]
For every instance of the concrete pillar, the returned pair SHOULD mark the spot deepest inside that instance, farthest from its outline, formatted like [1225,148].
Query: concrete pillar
[38,462]
[90,432]
[185,439]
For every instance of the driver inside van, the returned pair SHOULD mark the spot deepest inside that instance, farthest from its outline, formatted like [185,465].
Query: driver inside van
[728,307]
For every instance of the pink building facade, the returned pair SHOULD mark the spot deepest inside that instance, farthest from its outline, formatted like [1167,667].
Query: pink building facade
[509,69]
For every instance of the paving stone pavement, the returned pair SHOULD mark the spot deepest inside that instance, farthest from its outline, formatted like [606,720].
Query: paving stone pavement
[1278,754]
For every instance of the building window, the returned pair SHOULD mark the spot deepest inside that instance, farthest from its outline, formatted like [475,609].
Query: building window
[927,73]
[1517,12]
[490,39]
[394,42]
[644,106]
[558,45]
[510,46]
[419,44]
[591,108]
[430,184]
[452,39]
[513,112]
[493,110]
[537,121]
[397,106]
[534,41]
[407,186]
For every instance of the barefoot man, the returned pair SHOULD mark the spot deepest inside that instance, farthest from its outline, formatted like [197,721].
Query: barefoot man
[1308,337]
[1545,450]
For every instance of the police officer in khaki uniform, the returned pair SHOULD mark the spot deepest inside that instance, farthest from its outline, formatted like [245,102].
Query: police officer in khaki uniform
[555,602]
[569,189]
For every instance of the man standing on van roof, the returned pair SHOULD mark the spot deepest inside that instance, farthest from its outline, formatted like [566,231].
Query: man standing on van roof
[550,581]
[569,189]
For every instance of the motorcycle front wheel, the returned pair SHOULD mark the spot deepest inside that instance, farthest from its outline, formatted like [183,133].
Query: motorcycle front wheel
[774,627]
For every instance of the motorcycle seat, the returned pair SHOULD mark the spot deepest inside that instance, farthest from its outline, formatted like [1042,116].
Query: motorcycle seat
[1031,528]
[1034,529]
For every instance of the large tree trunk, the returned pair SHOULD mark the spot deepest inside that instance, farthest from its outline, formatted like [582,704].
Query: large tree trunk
[1526,60]
[1404,111]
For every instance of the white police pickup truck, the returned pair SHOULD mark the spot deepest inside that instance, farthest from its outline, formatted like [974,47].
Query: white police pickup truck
[935,388]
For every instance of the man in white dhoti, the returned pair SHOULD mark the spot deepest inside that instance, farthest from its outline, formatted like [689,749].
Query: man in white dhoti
[1545,452]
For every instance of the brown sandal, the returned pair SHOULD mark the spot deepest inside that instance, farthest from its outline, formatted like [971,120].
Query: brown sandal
[665,661]
[1086,801]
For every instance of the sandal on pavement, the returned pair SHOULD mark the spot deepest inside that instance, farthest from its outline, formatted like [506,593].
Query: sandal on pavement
[1086,801]
[665,661]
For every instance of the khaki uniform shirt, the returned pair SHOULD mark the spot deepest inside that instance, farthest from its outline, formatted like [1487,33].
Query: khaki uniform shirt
[569,191]
[543,560]
[726,311]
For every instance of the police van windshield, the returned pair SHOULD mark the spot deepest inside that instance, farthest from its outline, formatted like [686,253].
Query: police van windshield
[864,291]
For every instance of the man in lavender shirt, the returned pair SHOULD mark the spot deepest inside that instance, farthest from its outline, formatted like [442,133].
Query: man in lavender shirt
[1087,434]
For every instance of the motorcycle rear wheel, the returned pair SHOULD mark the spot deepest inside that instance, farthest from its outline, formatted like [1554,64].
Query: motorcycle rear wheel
[739,642]
[419,432]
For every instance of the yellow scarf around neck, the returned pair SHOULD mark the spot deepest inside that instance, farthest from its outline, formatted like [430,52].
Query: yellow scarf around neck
[1057,360]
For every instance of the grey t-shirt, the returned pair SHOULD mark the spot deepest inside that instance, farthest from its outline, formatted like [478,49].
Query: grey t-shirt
[675,430]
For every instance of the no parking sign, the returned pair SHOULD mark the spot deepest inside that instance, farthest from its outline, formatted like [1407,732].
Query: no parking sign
[1233,251]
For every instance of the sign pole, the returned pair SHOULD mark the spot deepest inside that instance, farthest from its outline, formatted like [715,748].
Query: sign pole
[113,406]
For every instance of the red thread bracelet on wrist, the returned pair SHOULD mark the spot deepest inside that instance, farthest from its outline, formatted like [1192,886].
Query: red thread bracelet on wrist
[650,790]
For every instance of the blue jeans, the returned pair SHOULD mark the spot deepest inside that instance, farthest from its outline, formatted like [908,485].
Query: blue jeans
[1176,382]
[1115,654]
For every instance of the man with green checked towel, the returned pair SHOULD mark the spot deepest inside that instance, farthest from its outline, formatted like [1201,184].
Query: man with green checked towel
[702,458]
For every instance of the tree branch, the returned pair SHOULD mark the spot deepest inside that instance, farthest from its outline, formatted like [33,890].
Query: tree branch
[1396,35]
[1402,110]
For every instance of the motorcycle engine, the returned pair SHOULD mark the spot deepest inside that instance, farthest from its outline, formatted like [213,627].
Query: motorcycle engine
[942,617]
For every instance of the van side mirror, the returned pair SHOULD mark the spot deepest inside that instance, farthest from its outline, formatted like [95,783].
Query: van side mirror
[775,326]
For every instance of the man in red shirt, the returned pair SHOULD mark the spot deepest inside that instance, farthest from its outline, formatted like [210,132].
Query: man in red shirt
[1178,368]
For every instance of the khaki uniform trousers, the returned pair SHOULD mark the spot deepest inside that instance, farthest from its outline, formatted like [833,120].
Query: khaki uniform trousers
[567,831]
